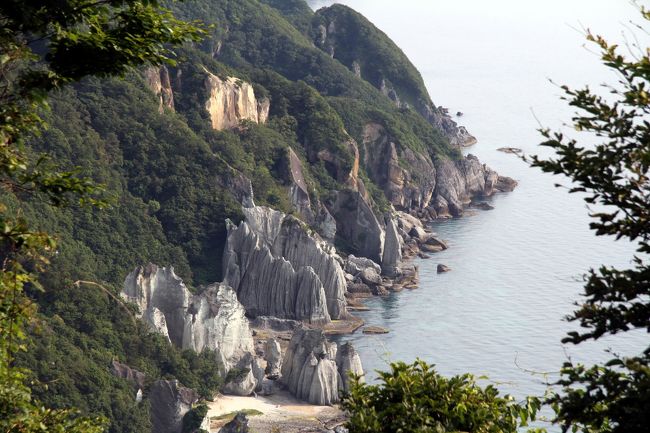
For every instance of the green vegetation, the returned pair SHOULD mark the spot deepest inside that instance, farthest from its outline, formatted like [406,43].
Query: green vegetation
[229,416]
[414,398]
[44,46]
[613,175]
[352,38]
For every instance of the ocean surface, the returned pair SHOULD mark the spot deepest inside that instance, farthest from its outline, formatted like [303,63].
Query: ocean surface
[516,270]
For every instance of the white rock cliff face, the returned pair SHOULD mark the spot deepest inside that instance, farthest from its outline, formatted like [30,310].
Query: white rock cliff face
[231,101]
[280,269]
[213,319]
[312,369]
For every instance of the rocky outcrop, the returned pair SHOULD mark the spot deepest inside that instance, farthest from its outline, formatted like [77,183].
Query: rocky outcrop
[273,357]
[213,319]
[393,244]
[231,100]
[242,379]
[434,188]
[298,190]
[310,369]
[169,403]
[239,424]
[357,225]
[130,374]
[458,182]
[280,268]
[440,119]
[407,177]
[348,362]
[157,80]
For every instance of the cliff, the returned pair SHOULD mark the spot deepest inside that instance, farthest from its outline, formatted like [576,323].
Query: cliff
[231,100]
[313,371]
[437,187]
[279,268]
[371,55]
[213,319]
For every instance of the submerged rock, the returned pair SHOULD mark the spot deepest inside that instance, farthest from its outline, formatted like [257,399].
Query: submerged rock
[375,330]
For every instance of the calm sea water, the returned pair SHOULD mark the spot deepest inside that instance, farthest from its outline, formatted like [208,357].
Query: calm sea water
[516,269]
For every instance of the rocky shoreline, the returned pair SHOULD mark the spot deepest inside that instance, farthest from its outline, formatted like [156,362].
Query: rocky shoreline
[285,286]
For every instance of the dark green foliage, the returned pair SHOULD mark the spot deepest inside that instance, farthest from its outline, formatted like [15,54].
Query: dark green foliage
[414,398]
[355,39]
[297,12]
[613,175]
[193,419]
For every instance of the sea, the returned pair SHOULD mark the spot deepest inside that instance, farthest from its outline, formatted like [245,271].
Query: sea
[517,269]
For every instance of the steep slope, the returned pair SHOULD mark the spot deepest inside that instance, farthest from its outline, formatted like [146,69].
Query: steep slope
[349,37]
[254,115]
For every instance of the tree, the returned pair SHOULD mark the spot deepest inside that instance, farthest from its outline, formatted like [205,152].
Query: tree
[44,45]
[613,175]
[415,398]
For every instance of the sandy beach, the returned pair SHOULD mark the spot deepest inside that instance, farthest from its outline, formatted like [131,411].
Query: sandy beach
[279,413]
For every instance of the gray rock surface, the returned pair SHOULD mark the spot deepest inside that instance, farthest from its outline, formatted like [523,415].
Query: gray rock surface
[280,268]
[213,319]
[169,403]
[273,357]
[392,257]
[239,424]
[157,80]
[312,370]
[413,181]
[125,372]
[357,225]
[244,382]
[348,361]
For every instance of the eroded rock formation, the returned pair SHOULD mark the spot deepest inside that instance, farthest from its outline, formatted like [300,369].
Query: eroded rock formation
[157,79]
[310,369]
[231,100]
[213,319]
[413,181]
[279,268]
[169,403]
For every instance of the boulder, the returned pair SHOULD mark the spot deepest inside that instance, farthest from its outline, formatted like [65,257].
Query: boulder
[370,276]
[354,265]
[169,404]
[239,424]
[242,380]
[273,356]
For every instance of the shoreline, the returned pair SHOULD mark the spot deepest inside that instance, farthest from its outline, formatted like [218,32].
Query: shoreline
[278,412]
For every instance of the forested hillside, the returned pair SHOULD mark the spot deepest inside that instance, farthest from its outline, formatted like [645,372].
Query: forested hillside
[354,116]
